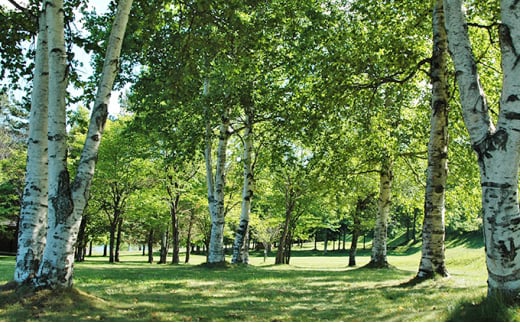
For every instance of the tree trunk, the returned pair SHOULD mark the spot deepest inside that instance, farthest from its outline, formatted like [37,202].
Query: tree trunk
[56,266]
[82,240]
[67,202]
[163,253]
[288,247]
[414,227]
[188,237]
[361,205]
[245,249]
[433,259]
[282,244]
[174,196]
[379,243]
[353,247]
[216,252]
[150,246]
[325,240]
[33,215]
[111,244]
[175,237]
[118,239]
[247,190]
[497,149]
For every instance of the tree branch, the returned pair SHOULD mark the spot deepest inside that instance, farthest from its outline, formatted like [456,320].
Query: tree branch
[393,78]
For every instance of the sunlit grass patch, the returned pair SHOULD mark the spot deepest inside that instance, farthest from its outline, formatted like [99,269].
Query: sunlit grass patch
[315,287]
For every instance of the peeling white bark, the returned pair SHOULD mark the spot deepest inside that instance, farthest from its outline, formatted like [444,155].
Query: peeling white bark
[247,192]
[497,149]
[67,202]
[379,247]
[217,208]
[33,215]
[433,233]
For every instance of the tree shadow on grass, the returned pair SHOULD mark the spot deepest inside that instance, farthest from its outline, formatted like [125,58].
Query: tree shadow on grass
[485,310]
[473,240]
[472,310]
[60,305]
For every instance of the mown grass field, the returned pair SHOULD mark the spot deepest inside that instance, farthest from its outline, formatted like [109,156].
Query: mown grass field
[315,287]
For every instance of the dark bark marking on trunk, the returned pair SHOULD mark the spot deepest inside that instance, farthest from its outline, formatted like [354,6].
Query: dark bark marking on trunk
[496,185]
[102,117]
[507,252]
[507,40]
[56,50]
[512,115]
[492,142]
[439,189]
[249,195]
[512,98]
[63,203]
[56,137]
[439,105]
[515,221]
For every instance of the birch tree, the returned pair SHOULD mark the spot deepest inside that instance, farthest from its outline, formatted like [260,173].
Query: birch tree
[496,144]
[433,232]
[33,214]
[67,201]
[247,189]
[216,182]
[379,244]
[53,267]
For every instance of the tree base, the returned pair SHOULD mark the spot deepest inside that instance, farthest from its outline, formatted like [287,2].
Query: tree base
[12,285]
[378,265]
[216,265]
[439,272]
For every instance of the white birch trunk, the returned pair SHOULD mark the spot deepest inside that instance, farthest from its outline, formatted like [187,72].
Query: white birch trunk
[67,203]
[60,200]
[247,192]
[208,156]
[33,215]
[379,244]
[433,258]
[497,150]
[216,243]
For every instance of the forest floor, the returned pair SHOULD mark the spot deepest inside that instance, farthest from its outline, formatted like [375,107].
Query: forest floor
[314,287]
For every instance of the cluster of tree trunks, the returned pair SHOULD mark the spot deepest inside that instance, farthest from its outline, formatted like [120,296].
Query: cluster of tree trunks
[53,205]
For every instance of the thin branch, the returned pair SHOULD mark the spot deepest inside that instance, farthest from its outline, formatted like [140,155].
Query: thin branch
[393,78]
[18,6]
[416,175]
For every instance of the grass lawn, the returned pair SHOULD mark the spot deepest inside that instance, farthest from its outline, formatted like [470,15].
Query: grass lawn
[315,287]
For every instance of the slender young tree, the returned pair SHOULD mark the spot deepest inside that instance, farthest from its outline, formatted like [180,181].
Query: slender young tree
[379,246]
[247,188]
[433,232]
[50,272]
[497,146]
[216,190]
[33,215]
[216,179]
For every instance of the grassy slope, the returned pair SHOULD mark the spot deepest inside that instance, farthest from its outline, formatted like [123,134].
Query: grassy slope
[313,288]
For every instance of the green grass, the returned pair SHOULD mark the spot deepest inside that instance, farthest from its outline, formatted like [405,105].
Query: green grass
[315,287]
